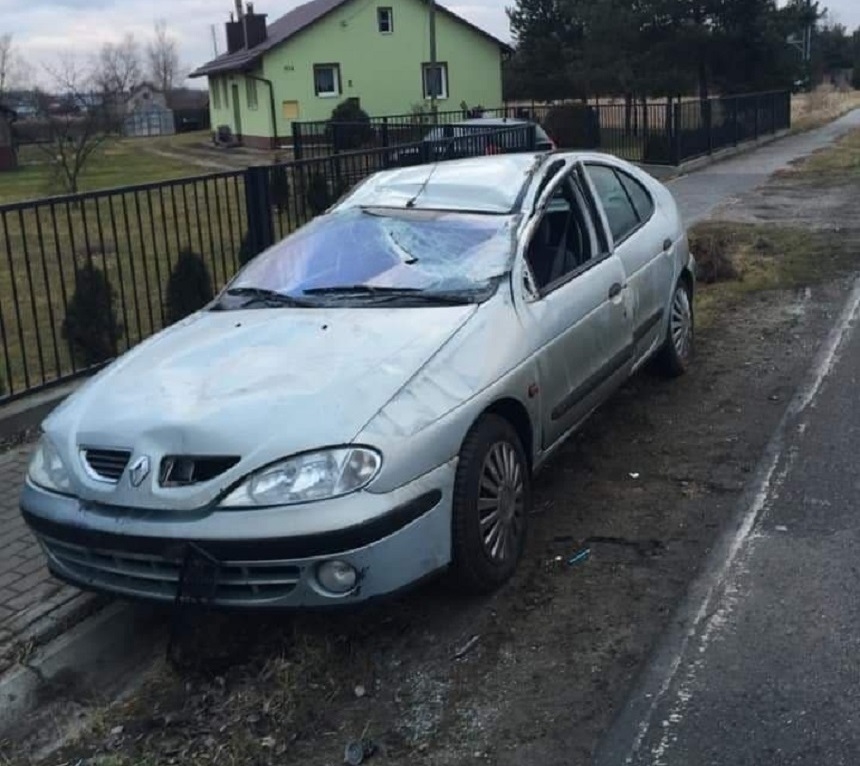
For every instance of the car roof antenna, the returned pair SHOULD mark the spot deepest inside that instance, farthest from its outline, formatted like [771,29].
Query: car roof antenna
[411,202]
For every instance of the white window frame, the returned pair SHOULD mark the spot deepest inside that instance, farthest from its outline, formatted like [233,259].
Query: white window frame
[336,79]
[251,98]
[385,9]
[443,67]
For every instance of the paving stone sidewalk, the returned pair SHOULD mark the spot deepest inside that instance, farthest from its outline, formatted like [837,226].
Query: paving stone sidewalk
[33,605]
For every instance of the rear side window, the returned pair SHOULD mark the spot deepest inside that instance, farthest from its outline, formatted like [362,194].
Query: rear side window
[639,196]
[619,210]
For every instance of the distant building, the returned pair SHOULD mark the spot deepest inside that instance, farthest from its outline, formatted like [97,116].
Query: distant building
[8,155]
[190,109]
[147,113]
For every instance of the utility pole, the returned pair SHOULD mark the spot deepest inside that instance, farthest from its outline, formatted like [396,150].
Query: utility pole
[433,69]
[214,40]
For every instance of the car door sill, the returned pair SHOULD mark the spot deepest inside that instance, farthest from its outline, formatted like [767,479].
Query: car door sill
[593,382]
[646,326]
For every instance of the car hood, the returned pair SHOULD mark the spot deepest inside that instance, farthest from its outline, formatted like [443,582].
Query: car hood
[257,384]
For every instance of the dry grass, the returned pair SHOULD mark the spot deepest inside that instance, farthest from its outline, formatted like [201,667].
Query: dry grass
[755,257]
[839,163]
[735,259]
[823,105]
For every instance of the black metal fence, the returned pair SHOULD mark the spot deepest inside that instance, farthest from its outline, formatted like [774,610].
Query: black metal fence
[665,133]
[85,277]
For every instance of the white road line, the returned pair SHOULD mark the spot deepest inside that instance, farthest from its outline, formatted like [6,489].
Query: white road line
[823,366]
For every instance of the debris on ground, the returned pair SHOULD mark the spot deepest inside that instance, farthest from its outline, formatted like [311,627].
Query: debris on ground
[579,556]
[357,751]
[467,647]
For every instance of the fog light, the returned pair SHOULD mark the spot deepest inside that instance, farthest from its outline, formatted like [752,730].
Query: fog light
[336,576]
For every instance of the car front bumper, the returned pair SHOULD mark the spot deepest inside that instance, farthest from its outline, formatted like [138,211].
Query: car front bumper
[248,558]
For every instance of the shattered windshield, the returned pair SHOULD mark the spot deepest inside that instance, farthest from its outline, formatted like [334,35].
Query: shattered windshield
[378,253]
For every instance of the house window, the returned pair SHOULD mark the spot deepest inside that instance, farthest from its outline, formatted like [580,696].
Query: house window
[385,20]
[215,90]
[435,80]
[251,92]
[226,88]
[327,80]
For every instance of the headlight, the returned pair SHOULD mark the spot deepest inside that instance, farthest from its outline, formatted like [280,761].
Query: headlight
[312,476]
[47,470]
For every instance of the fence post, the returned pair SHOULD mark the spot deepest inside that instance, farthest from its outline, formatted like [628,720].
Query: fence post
[258,204]
[384,132]
[676,136]
[774,102]
[756,121]
[297,140]
[709,124]
[735,123]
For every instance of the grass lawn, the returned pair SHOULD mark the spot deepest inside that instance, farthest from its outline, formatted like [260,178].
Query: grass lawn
[118,162]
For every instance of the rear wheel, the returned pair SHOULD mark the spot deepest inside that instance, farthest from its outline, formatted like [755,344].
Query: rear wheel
[677,351]
[491,503]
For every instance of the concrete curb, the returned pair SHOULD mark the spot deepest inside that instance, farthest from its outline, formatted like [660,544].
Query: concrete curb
[667,173]
[98,653]
[28,412]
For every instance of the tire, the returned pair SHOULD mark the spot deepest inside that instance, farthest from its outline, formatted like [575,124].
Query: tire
[676,353]
[485,553]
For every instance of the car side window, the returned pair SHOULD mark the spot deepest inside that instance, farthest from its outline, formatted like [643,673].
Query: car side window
[619,210]
[639,196]
[562,241]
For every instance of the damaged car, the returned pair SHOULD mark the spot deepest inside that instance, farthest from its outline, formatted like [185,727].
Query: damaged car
[366,403]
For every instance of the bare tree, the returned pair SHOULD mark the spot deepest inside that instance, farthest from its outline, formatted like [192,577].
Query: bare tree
[11,66]
[118,68]
[79,124]
[163,58]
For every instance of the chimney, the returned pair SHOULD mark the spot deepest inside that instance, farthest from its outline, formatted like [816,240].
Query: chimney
[235,35]
[255,27]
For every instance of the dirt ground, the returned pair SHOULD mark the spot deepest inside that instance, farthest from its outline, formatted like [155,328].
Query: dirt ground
[535,673]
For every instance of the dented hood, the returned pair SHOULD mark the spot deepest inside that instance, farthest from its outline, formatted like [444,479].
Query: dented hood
[258,384]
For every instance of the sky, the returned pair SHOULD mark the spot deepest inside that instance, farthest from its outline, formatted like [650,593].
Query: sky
[44,29]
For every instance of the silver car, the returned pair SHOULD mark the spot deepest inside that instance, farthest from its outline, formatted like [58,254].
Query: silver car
[365,404]
[478,135]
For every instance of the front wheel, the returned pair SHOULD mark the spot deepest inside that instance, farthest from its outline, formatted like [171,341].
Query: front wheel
[492,493]
[677,351]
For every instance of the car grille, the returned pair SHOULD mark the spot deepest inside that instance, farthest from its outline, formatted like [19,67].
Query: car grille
[183,470]
[157,577]
[106,464]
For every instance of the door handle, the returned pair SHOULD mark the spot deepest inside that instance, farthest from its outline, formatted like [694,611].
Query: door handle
[615,290]
[667,245]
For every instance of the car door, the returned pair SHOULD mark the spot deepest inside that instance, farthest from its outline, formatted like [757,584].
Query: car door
[573,305]
[642,241]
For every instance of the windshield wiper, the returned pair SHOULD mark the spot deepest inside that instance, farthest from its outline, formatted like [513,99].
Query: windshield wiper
[409,295]
[361,290]
[266,297]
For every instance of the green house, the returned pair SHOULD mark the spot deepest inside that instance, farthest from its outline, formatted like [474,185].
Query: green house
[301,66]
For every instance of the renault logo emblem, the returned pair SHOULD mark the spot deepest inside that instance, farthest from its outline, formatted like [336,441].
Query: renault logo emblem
[139,471]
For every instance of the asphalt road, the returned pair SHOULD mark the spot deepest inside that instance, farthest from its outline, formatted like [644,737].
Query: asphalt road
[762,662]
[700,193]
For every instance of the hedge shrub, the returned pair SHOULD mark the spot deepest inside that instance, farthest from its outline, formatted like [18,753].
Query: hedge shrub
[189,287]
[91,325]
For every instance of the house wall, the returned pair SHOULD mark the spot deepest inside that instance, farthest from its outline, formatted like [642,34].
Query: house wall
[383,71]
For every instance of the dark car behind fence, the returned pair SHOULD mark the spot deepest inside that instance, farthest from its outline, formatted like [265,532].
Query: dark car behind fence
[666,133]
[85,277]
